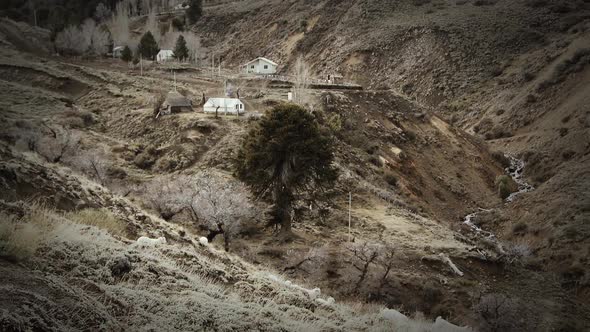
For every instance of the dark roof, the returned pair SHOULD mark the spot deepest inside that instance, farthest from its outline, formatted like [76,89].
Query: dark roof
[175,99]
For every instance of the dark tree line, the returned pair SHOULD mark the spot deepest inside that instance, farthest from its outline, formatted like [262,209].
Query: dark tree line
[52,14]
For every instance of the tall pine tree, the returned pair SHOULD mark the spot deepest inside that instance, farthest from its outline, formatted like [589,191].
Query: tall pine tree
[126,54]
[284,156]
[180,50]
[148,48]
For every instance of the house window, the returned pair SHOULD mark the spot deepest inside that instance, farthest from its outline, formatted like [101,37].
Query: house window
[252,67]
[265,66]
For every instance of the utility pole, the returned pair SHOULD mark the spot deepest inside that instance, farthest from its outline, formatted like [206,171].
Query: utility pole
[349,215]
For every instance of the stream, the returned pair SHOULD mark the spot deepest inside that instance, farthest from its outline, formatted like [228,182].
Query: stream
[516,172]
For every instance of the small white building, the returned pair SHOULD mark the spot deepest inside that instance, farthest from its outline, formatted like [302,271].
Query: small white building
[224,106]
[118,51]
[260,66]
[165,55]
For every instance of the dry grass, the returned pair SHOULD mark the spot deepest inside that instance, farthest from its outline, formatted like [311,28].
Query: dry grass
[20,237]
[100,218]
[18,241]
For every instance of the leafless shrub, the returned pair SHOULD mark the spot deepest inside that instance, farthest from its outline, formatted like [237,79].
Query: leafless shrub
[386,261]
[517,253]
[501,313]
[94,163]
[363,256]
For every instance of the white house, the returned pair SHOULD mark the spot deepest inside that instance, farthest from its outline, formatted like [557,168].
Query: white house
[224,106]
[165,55]
[260,66]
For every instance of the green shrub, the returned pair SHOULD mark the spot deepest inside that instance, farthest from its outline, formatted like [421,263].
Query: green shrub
[503,185]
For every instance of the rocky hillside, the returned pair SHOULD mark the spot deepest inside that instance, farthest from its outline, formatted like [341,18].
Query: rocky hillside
[445,83]
[513,73]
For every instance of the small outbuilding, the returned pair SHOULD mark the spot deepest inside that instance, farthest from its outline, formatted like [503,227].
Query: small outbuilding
[118,51]
[176,103]
[165,55]
[335,79]
[260,65]
[224,106]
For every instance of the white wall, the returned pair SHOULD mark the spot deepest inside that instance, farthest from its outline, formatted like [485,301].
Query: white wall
[259,67]
[223,110]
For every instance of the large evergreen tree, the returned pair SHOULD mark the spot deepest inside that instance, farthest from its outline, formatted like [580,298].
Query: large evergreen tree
[180,50]
[195,10]
[286,154]
[148,48]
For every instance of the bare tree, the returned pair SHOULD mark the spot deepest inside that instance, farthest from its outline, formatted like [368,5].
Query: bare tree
[363,256]
[119,25]
[221,204]
[301,81]
[501,313]
[96,39]
[166,196]
[95,163]
[86,39]
[386,261]
[193,43]
[71,41]
[153,25]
